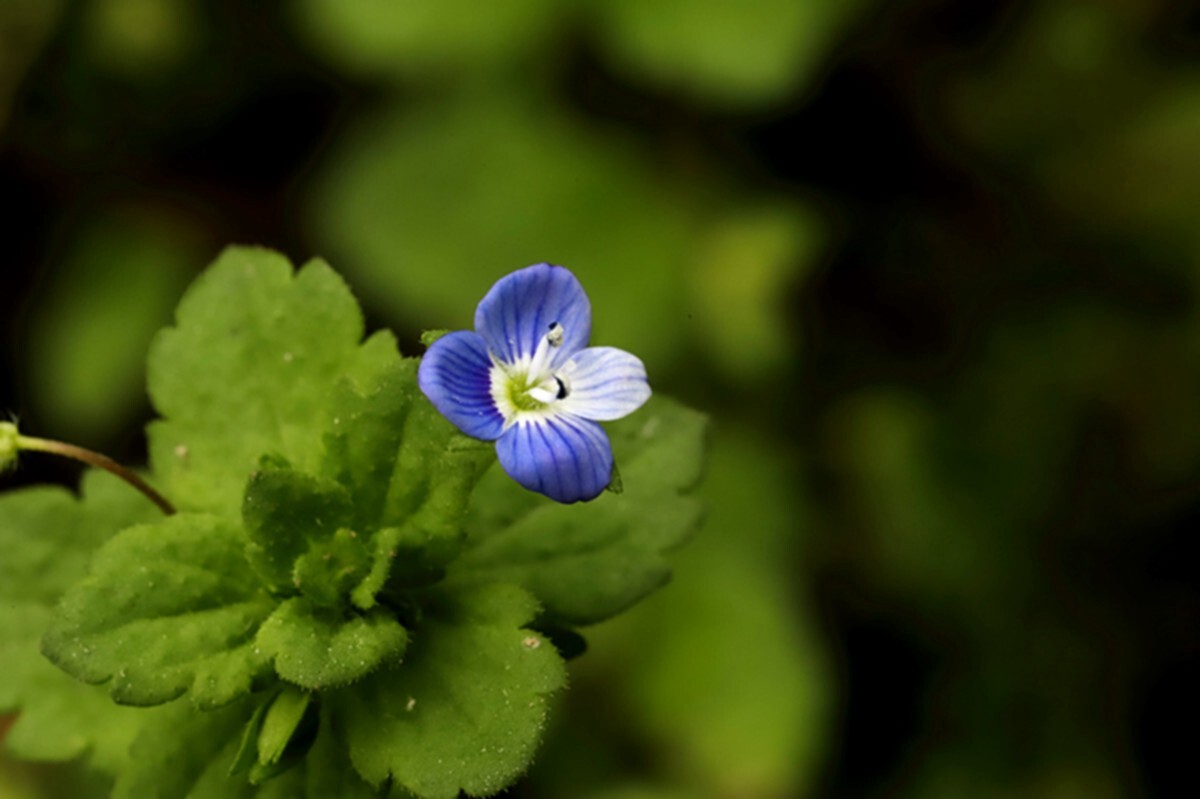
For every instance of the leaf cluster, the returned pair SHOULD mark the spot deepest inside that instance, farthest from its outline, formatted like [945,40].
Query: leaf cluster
[352,599]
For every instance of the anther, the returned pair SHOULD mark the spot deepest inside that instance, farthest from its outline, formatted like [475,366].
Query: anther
[562,388]
[555,336]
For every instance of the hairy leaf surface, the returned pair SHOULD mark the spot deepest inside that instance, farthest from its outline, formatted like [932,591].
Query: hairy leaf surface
[316,648]
[467,706]
[48,537]
[169,607]
[246,371]
[590,561]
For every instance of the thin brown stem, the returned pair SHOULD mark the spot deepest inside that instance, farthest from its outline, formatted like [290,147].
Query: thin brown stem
[99,461]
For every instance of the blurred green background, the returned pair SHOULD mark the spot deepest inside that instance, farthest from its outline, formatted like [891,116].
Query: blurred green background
[932,267]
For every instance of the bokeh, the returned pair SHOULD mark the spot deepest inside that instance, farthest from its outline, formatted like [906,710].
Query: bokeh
[932,267]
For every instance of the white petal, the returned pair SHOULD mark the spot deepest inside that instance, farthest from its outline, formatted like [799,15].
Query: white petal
[605,383]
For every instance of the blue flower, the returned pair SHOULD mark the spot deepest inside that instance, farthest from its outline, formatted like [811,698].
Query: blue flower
[527,380]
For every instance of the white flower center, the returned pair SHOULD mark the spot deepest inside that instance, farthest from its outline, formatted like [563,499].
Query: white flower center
[529,388]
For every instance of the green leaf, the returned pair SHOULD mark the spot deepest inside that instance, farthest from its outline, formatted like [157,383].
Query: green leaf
[364,427]
[397,456]
[246,371]
[279,724]
[325,772]
[466,708]
[435,472]
[318,648]
[186,754]
[328,572]
[430,336]
[410,472]
[288,514]
[168,607]
[402,560]
[59,717]
[588,562]
[388,459]
[247,751]
[48,537]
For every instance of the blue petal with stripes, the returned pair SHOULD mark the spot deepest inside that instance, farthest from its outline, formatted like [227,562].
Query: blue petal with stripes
[565,458]
[456,376]
[519,309]
[527,380]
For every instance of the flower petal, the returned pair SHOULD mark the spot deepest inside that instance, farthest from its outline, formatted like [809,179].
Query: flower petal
[606,383]
[518,311]
[456,376]
[566,458]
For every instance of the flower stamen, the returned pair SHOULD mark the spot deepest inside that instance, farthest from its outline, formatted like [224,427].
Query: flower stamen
[530,386]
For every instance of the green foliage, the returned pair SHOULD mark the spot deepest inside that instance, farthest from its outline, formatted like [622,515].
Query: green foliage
[342,621]
[289,516]
[721,679]
[743,698]
[378,36]
[48,537]
[246,371]
[139,37]
[92,323]
[169,607]
[738,53]
[988,368]
[328,571]
[720,50]
[466,708]
[588,562]
[745,265]
[667,266]
[316,648]
[279,724]
[187,754]
[364,427]
[325,771]
[531,185]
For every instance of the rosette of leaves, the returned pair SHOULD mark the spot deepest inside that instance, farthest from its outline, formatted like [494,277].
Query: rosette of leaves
[351,601]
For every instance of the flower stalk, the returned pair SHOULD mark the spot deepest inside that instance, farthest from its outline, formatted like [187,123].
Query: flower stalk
[12,442]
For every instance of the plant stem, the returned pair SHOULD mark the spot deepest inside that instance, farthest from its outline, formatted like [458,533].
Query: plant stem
[100,461]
